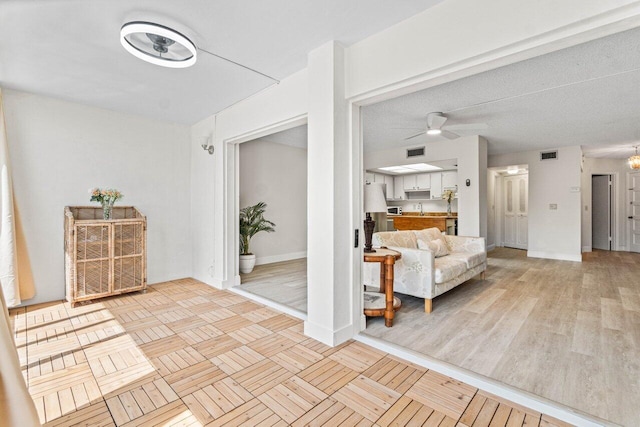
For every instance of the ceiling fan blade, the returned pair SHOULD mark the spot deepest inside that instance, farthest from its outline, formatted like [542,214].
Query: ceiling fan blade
[450,135]
[417,134]
[468,126]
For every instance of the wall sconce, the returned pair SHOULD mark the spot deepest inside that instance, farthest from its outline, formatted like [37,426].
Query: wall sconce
[207,145]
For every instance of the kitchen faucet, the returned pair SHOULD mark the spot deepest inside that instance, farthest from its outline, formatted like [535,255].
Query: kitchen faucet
[421,211]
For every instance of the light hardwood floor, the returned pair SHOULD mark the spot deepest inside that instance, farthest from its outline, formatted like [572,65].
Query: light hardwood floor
[187,354]
[283,282]
[566,331]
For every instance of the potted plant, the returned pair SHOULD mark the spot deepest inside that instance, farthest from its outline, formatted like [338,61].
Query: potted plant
[252,222]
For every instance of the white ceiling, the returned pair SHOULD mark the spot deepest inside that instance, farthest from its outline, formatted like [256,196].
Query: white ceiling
[70,49]
[587,95]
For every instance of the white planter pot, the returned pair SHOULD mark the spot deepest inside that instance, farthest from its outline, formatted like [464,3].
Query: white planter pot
[247,262]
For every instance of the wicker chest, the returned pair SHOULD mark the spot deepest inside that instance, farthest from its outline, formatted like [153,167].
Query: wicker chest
[104,257]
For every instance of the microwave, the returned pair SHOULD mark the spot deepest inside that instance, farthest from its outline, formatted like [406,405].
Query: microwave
[394,210]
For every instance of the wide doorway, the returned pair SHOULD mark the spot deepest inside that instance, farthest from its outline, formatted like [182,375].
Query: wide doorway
[273,171]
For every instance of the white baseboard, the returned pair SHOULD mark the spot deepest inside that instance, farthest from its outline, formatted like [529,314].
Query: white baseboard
[328,336]
[279,258]
[586,249]
[491,247]
[554,255]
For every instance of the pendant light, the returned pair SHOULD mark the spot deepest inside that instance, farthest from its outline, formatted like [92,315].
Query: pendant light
[158,44]
[634,161]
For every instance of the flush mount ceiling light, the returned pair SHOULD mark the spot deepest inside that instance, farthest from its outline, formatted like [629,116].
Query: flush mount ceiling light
[634,161]
[158,44]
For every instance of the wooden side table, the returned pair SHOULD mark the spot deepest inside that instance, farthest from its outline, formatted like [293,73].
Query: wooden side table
[385,304]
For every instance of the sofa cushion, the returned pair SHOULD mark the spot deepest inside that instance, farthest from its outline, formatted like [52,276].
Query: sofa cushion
[403,239]
[432,239]
[471,259]
[448,268]
[438,247]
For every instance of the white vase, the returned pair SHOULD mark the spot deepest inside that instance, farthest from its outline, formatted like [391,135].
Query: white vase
[247,262]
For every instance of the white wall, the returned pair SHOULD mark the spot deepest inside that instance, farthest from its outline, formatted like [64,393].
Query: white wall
[277,175]
[554,234]
[619,169]
[214,178]
[60,149]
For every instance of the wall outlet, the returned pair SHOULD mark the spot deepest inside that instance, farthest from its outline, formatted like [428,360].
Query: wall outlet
[553,207]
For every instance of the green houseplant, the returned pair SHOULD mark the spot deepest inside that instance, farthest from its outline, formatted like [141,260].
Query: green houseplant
[252,222]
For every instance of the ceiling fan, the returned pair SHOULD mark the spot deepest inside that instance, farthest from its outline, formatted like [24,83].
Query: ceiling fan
[436,126]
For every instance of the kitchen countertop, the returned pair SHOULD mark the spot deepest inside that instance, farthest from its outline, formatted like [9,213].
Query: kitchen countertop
[427,216]
[453,215]
[415,221]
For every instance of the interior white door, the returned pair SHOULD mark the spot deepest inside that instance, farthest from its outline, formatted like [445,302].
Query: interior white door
[516,212]
[601,212]
[634,212]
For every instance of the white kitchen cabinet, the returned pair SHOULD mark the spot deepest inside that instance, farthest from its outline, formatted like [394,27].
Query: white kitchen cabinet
[369,177]
[388,180]
[398,186]
[436,186]
[418,182]
[450,180]
[423,181]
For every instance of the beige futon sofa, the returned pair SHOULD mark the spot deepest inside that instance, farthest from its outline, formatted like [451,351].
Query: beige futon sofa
[431,263]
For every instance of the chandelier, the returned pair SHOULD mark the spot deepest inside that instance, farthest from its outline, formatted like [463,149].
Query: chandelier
[634,161]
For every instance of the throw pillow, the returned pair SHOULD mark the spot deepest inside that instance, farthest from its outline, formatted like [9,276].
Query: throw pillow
[438,247]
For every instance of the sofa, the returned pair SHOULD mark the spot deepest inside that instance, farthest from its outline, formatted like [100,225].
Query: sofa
[432,263]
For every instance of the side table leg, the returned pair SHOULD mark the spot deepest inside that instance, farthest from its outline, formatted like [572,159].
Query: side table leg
[389,262]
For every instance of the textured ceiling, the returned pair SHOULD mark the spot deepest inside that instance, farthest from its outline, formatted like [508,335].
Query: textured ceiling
[587,95]
[70,49]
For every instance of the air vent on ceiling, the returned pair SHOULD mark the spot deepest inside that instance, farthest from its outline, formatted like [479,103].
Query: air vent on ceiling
[549,155]
[415,152]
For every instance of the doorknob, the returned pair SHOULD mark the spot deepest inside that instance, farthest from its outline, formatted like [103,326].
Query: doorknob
[630,217]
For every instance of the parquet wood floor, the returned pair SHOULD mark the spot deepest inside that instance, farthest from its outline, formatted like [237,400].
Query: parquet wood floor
[187,354]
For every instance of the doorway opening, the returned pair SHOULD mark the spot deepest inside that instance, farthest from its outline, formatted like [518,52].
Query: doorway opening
[602,212]
[634,211]
[273,170]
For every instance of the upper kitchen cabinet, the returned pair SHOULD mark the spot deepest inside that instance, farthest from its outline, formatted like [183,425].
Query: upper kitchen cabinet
[369,177]
[450,180]
[398,185]
[418,182]
[443,181]
[436,186]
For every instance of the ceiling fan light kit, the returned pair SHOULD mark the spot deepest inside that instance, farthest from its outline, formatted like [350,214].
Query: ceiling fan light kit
[634,161]
[436,127]
[158,44]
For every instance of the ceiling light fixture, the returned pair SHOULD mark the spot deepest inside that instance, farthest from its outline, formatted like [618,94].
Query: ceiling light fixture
[634,161]
[434,132]
[158,44]
[166,47]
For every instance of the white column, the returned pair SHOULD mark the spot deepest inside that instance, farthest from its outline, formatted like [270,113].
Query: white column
[330,183]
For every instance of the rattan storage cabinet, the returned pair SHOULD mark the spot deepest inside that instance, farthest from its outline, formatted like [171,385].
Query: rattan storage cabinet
[104,257]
